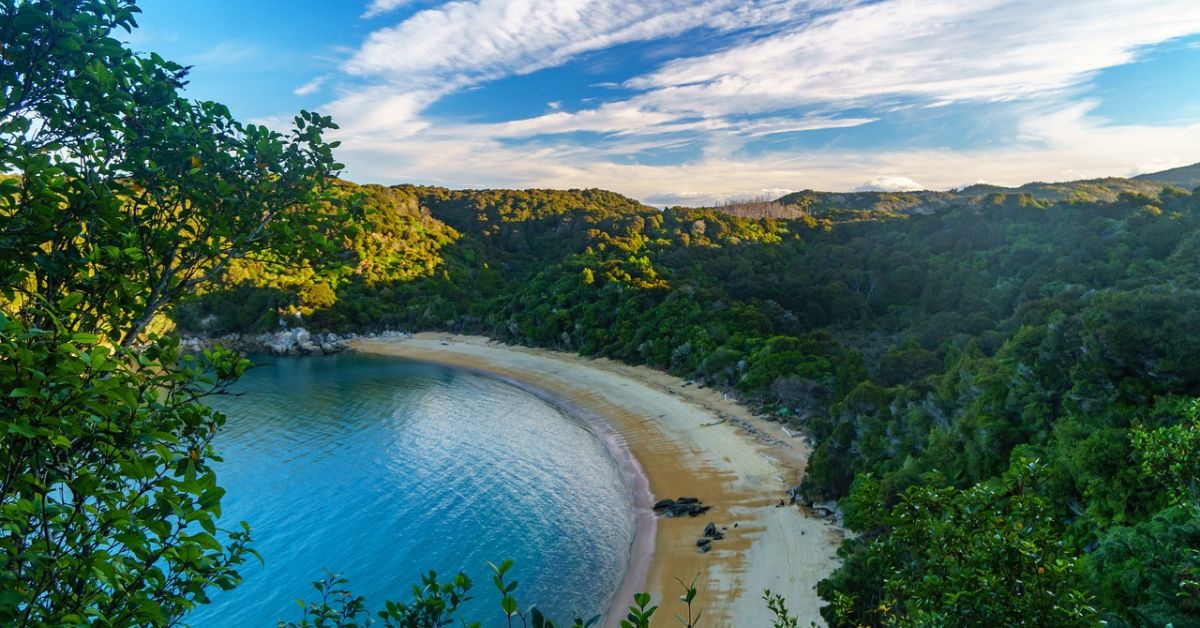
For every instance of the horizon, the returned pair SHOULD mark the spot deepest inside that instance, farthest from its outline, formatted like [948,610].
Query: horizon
[698,103]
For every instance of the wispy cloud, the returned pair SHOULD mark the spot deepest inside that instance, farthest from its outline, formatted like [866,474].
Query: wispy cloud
[1062,144]
[311,87]
[785,67]
[938,52]
[379,7]
[473,41]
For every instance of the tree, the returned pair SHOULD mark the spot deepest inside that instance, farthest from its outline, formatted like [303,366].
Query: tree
[988,555]
[124,197]
[1171,454]
[128,193]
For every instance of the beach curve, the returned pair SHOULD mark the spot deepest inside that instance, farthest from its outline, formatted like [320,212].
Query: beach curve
[681,440]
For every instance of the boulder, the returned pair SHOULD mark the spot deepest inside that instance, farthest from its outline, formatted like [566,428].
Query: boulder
[683,506]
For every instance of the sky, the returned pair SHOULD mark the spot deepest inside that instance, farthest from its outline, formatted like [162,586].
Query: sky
[693,102]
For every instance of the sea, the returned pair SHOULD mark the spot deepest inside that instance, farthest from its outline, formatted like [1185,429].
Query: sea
[380,470]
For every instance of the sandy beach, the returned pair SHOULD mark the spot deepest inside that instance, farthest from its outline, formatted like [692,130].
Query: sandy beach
[686,440]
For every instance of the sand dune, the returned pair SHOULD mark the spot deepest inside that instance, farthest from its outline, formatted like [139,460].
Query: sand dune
[686,440]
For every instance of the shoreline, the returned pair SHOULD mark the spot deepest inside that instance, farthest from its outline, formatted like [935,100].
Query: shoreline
[641,548]
[671,438]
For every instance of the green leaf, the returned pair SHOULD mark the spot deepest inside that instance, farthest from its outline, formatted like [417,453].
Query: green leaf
[85,338]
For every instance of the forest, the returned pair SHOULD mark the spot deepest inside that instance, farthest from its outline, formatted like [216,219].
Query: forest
[1000,384]
[1024,355]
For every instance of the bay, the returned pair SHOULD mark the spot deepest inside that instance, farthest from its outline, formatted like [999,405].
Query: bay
[382,469]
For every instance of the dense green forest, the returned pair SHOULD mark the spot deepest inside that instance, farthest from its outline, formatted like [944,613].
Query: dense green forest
[1000,384]
[926,341]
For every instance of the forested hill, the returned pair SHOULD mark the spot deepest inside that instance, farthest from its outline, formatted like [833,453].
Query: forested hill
[1018,364]
[861,205]
[1186,177]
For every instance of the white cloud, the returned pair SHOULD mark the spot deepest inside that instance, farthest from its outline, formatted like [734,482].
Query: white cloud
[379,7]
[310,87]
[1068,145]
[800,67]
[938,52]
[468,41]
[890,184]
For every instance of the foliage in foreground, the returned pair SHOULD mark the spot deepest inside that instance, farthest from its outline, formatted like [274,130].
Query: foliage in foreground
[121,197]
[435,604]
[108,502]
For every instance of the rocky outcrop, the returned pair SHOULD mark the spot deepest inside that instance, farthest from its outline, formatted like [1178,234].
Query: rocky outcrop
[711,533]
[287,342]
[682,506]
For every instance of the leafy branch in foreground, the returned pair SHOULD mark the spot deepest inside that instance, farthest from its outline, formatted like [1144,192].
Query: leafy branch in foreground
[778,607]
[437,604]
[108,500]
[433,604]
[120,197]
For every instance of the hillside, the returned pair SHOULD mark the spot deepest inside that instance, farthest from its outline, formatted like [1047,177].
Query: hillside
[910,334]
[854,206]
[1186,177]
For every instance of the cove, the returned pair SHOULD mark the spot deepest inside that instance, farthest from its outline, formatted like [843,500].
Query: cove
[382,469]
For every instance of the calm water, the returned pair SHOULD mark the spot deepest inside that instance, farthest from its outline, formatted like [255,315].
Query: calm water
[381,469]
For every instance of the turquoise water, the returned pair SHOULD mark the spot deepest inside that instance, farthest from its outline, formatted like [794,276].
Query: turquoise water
[381,469]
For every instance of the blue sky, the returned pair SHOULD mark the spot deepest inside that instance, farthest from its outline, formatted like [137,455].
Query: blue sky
[696,101]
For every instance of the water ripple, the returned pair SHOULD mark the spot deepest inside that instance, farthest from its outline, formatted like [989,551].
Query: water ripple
[381,469]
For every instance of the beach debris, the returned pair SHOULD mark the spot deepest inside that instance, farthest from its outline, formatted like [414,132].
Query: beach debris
[682,506]
[704,548]
[701,542]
